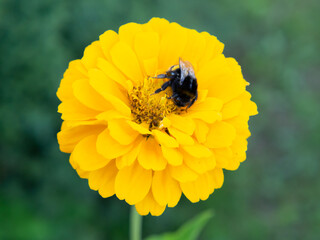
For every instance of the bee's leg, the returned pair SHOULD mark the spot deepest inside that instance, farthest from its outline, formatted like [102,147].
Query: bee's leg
[175,95]
[193,100]
[162,76]
[163,87]
[170,75]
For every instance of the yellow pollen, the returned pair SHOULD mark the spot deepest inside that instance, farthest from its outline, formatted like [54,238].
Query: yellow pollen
[150,108]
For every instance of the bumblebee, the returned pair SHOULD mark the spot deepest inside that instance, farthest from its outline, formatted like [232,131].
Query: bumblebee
[183,82]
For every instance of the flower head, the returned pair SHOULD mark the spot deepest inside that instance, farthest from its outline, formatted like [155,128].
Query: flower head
[141,146]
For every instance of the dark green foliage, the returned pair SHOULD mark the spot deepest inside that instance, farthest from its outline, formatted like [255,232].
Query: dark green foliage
[188,231]
[274,194]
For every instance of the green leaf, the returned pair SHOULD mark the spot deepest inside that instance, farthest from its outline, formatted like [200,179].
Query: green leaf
[189,231]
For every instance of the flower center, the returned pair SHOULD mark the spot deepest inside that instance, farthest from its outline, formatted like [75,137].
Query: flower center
[150,108]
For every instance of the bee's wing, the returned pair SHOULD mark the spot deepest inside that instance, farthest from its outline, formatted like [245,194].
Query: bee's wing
[186,70]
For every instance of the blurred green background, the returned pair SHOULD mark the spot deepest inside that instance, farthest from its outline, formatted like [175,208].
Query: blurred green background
[275,193]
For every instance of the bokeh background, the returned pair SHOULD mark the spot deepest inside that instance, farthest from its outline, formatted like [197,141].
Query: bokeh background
[273,195]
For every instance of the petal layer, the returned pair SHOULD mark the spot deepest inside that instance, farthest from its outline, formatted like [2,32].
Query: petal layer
[86,156]
[165,189]
[133,183]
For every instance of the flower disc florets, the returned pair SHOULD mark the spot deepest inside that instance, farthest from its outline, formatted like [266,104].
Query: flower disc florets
[148,108]
[138,145]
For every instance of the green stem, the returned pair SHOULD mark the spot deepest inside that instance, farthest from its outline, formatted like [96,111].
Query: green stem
[135,224]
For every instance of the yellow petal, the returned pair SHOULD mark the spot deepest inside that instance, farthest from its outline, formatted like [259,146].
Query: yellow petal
[240,123]
[200,165]
[232,165]
[252,108]
[165,123]
[160,25]
[225,159]
[127,32]
[133,183]
[75,71]
[150,156]
[107,188]
[83,174]
[112,72]
[129,158]
[221,134]
[222,78]
[109,90]
[118,105]
[172,44]
[86,156]
[235,68]
[146,45]
[107,40]
[199,189]
[80,172]
[165,189]
[201,131]
[139,127]
[247,106]
[111,115]
[182,138]
[209,104]
[105,86]
[74,110]
[91,55]
[65,90]
[202,96]
[164,139]
[149,205]
[213,48]
[150,66]
[197,150]
[173,156]
[68,138]
[231,109]
[121,131]
[212,69]
[218,177]
[126,60]
[74,123]
[73,163]
[195,47]
[95,178]
[227,87]
[183,124]
[88,96]
[110,148]
[206,116]
[239,148]
[182,173]
[98,177]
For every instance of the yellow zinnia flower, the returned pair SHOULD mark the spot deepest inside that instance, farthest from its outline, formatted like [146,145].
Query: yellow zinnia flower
[141,146]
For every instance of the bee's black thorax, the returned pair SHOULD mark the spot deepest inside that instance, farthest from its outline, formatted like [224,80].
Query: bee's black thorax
[183,84]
